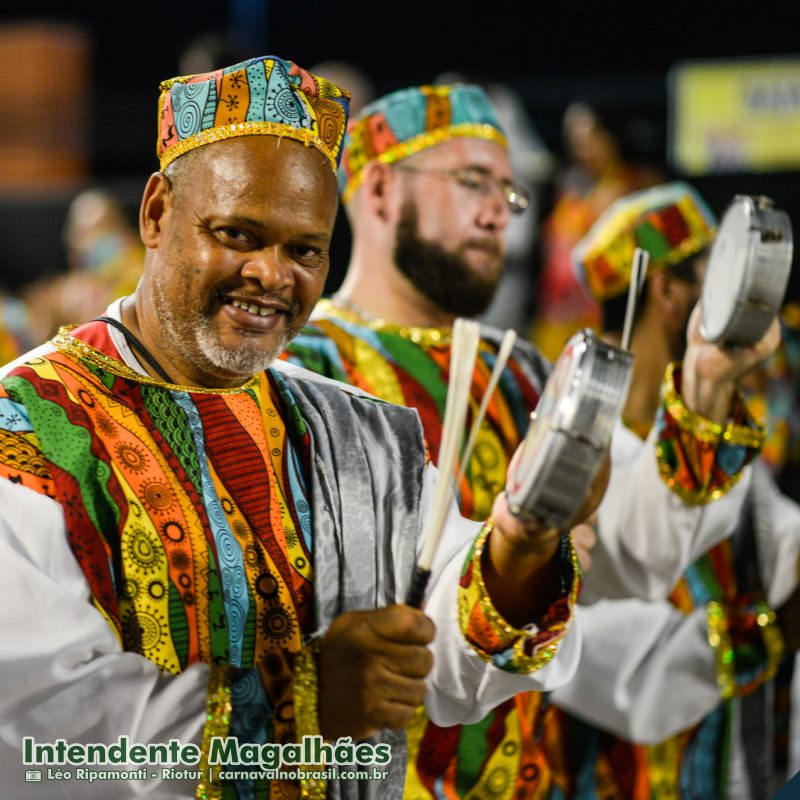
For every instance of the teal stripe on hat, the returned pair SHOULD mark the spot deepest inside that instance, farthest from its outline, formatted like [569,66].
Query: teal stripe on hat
[257,81]
[469,104]
[188,104]
[405,113]
[211,106]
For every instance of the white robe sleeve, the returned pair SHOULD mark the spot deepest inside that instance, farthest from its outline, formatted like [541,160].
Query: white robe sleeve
[462,687]
[647,670]
[647,535]
[63,673]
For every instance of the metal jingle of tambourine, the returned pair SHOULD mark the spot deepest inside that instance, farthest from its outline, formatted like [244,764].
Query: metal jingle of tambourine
[569,432]
[748,272]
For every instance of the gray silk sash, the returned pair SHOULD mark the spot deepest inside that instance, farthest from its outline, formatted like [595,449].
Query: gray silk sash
[366,522]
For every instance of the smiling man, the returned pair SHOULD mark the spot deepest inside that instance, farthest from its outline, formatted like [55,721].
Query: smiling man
[200,544]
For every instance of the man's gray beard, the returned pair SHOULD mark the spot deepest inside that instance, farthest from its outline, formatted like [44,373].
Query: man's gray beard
[441,275]
[202,346]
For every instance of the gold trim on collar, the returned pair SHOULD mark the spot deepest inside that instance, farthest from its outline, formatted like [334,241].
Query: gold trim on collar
[75,348]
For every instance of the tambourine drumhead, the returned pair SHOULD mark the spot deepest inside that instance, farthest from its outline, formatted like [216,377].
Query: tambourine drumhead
[569,431]
[748,271]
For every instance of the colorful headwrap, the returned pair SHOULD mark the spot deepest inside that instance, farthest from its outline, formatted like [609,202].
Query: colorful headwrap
[671,222]
[264,95]
[410,120]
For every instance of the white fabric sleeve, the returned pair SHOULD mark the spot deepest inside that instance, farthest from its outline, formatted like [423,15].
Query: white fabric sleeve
[647,535]
[62,668]
[646,671]
[462,687]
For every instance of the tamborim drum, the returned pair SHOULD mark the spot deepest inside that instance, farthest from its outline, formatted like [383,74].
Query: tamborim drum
[748,271]
[569,432]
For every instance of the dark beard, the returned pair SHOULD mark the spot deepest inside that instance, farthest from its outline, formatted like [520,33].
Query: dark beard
[443,276]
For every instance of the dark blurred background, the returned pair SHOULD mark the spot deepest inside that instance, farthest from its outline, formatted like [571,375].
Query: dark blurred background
[79,90]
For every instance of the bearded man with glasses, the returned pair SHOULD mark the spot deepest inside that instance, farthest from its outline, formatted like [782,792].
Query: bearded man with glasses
[429,192]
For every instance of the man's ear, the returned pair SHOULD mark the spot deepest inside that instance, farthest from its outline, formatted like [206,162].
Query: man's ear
[379,189]
[156,202]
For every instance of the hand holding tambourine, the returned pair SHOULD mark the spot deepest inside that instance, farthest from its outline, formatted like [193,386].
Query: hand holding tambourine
[735,326]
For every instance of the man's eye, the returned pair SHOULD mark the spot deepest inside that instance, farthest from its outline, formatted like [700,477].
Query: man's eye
[305,253]
[235,234]
[472,181]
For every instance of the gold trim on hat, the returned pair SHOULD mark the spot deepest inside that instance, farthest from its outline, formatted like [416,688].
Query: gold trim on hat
[422,141]
[217,134]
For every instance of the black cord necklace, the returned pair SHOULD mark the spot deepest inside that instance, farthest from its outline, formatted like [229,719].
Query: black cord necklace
[135,344]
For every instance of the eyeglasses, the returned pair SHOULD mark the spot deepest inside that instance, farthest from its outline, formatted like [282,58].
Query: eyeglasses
[480,183]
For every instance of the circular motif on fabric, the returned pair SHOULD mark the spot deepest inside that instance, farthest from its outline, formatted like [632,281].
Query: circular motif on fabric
[498,781]
[291,537]
[277,624]
[105,426]
[184,580]
[486,455]
[173,531]
[156,590]
[284,712]
[141,631]
[283,102]
[141,548]
[132,457]
[251,555]
[271,412]
[188,598]
[274,432]
[179,559]
[239,529]
[300,562]
[276,451]
[158,495]
[227,506]
[130,588]
[529,772]
[187,118]
[330,122]
[509,748]
[266,585]
[86,398]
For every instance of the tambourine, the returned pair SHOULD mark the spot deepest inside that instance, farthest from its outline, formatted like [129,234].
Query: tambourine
[570,429]
[748,271]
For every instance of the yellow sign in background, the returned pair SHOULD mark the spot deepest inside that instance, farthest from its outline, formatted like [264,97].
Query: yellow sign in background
[735,116]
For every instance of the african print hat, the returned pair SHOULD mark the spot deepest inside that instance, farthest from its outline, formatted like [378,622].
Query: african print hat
[264,95]
[410,120]
[671,222]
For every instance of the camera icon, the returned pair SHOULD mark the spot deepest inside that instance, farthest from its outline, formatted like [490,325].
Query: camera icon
[33,775]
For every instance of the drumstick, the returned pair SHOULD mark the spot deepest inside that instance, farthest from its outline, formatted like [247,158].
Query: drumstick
[462,364]
[499,365]
[638,271]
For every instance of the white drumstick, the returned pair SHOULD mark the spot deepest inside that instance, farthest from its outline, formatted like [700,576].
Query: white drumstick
[499,365]
[462,364]
[638,271]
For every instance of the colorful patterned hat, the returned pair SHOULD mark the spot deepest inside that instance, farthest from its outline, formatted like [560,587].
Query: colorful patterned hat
[410,120]
[264,95]
[671,222]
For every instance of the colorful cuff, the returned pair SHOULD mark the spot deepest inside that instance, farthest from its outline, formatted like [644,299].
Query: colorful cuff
[701,460]
[218,719]
[748,646]
[494,639]
[306,714]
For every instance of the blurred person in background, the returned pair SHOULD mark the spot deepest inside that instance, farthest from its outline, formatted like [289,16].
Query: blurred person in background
[104,260]
[600,167]
[677,701]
